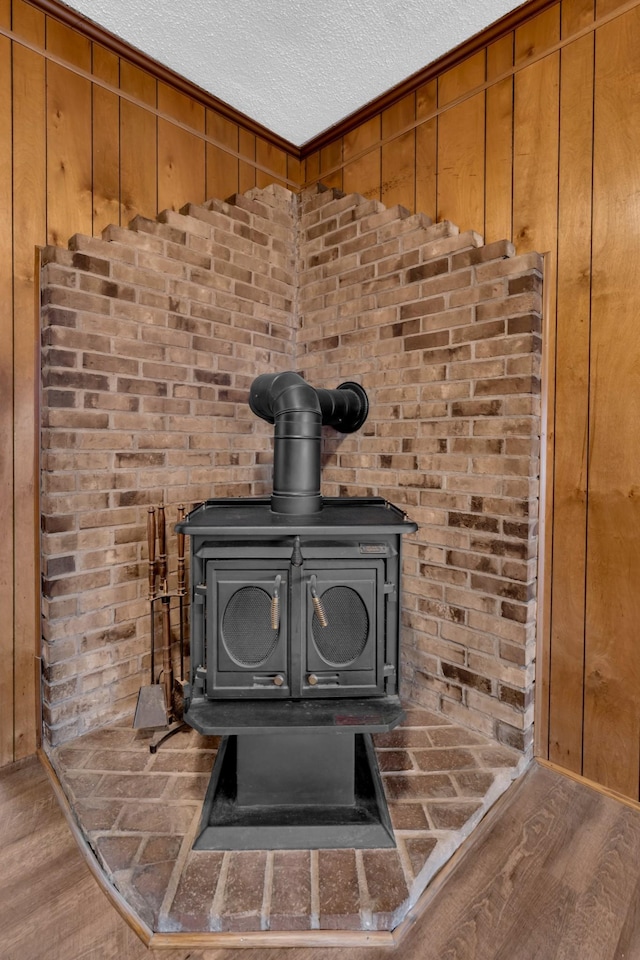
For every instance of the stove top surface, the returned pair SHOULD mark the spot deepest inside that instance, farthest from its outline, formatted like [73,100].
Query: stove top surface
[245,517]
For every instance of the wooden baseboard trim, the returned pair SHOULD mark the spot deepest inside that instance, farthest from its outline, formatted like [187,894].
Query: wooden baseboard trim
[598,787]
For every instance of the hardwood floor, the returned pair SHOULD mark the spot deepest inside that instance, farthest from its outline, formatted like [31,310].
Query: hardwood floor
[556,874]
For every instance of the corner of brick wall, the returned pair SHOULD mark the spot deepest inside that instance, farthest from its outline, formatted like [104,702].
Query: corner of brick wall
[444,332]
[151,338]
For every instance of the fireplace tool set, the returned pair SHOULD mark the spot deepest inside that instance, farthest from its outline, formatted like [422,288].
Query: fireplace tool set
[161,703]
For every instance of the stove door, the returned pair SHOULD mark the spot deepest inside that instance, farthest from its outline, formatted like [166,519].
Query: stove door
[247,639]
[344,616]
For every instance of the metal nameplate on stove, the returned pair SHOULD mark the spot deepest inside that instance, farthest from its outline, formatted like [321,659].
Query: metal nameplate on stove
[375,548]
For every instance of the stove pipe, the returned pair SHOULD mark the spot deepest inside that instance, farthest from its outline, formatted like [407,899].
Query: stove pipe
[299,412]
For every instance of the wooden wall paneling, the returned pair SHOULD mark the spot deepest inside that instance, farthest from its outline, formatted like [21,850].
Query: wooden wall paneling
[461,164]
[499,142]
[571,405]
[361,174]
[5,18]
[6,406]
[106,140]
[312,168]
[538,34]
[246,169]
[222,167]
[612,652]
[427,149]
[461,131]
[275,159]
[69,146]
[604,7]
[181,155]
[29,230]
[295,171]
[27,22]
[535,227]
[138,145]
[330,157]
[398,181]
[461,79]
[575,15]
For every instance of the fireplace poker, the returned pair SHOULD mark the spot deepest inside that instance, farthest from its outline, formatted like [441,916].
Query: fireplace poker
[181,588]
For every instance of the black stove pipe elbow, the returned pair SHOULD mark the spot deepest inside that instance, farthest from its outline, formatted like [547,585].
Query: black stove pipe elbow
[298,412]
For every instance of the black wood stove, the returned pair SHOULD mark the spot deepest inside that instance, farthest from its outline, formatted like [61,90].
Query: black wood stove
[294,641]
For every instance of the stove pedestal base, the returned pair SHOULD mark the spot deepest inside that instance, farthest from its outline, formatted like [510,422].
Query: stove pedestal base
[295,791]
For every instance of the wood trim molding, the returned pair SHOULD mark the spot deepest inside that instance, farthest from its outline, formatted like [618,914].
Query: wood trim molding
[93,31]
[591,784]
[449,60]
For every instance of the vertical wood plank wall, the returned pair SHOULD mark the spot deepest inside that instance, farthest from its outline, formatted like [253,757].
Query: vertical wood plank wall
[87,138]
[536,137]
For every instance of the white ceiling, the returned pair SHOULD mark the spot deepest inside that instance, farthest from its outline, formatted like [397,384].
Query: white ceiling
[295,66]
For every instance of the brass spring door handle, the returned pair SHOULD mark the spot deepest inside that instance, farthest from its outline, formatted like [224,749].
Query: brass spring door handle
[317,604]
[275,604]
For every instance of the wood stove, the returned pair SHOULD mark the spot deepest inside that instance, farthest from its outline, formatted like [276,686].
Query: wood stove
[295,640]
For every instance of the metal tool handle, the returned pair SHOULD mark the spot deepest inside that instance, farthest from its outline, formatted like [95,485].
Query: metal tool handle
[151,545]
[275,605]
[318,605]
[180,545]
[162,549]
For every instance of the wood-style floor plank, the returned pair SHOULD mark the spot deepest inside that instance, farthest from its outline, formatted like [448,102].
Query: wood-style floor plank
[555,875]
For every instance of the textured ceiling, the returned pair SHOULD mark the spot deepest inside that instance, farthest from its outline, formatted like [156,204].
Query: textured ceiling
[295,66]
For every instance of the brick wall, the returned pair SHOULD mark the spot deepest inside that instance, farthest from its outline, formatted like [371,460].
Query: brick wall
[152,337]
[445,335]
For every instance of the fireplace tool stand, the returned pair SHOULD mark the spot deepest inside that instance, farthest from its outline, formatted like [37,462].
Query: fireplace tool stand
[161,704]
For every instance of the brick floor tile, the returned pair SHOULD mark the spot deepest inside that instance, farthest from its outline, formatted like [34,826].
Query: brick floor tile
[121,760]
[107,737]
[385,883]
[290,890]
[82,784]
[451,815]
[444,759]
[141,785]
[496,756]
[98,814]
[72,758]
[419,849]
[191,907]
[403,737]
[117,852]
[188,786]
[473,784]
[394,760]
[244,890]
[150,884]
[339,891]
[174,818]
[184,761]
[419,717]
[408,816]
[418,787]
[456,737]
[159,849]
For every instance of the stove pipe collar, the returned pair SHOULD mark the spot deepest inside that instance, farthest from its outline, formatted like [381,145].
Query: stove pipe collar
[298,412]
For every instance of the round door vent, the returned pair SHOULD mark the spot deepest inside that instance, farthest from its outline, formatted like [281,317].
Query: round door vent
[247,634]
[345,635]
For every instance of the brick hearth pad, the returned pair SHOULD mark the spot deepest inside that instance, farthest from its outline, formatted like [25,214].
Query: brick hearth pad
[139,813]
